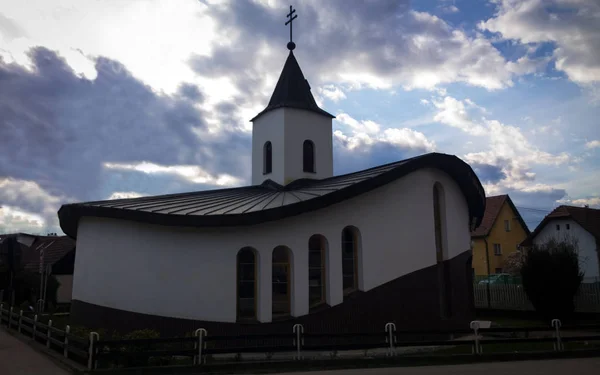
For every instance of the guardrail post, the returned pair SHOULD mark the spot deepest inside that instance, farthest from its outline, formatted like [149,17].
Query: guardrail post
[49,333]
[94,336]
[390,337]
[558,345]
[475,327]
[20,321]
[66,342]
[199,345]
[298,329]
[34,326]
[10,316]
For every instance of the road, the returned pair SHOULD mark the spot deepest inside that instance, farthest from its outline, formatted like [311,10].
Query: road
[579,366]
[18,358]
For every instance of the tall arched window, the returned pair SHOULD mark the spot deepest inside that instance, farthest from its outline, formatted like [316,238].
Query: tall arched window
[281,279]
[317,255]
[308,156]
[267,158]
[444,280]
[350,245]
[246,284]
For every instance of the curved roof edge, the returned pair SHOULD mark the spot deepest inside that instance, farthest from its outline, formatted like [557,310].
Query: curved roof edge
[70,214]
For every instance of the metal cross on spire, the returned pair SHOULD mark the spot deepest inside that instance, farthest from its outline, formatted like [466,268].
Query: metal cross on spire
[291,45]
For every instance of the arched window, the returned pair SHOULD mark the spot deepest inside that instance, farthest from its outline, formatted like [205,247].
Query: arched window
[317,255]
[308,156]
[246,284]
[267,158]
[350,259]
[444,280]
[281,279]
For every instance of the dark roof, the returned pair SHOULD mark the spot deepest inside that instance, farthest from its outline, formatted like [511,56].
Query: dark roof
[55,247]
[292,91]
[588,218]
[65,265]
[493,206]
[270,201]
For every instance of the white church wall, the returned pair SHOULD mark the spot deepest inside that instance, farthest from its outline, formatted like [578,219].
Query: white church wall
[287,129]
[301,125]
[268,127]
[588,257]
[191,272]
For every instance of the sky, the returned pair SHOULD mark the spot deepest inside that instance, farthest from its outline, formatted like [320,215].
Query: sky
[111,99]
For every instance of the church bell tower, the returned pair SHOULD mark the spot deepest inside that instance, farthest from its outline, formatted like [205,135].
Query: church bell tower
[291,138]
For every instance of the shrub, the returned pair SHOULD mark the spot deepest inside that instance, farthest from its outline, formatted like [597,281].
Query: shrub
[551,278]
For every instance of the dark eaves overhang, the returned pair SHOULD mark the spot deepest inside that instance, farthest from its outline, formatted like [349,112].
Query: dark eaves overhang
[70,214]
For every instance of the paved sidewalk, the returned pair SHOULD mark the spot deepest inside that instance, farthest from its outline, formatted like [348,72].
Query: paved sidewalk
[579,366]
[18,358]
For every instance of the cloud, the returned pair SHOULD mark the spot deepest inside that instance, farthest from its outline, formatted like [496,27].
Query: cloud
[192,173]
[593,202]
[26,204]
[374,44]
[14,220]
[592,144]
[572,25]
[10,29]
[452,112]
[68,128]
[332,92]
[364,144]
[125,195]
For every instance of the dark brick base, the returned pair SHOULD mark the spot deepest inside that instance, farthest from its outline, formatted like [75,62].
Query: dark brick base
[412,302]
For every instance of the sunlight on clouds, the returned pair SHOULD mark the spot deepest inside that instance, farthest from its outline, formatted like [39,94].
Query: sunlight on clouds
[452,112]
[593,144]
[125,195]
[13,219]
[592,202]
[152,39]
[366,133]
[191,173]
[366,126]
[332,92]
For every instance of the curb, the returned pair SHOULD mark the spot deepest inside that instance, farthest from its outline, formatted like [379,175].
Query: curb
[341,364]
[55,357]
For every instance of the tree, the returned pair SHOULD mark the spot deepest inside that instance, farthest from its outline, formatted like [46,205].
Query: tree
[513,263]
[551,277]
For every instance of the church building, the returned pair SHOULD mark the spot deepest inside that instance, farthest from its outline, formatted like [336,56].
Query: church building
[344,253]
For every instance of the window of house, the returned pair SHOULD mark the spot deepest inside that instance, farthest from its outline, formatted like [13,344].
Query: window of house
[557,226]
[281,282]
[308,156]
[498,270]
[267,158]
[246,284]
[317,246]
[568,226]
[507,225]
[350,259]
[497,249]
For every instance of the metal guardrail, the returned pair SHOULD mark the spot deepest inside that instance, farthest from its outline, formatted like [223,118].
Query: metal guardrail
[298,342]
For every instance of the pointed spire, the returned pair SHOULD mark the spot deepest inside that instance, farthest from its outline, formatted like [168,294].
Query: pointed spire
[292,90]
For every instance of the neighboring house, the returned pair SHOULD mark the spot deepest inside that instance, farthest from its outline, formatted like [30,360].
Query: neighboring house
[62,269]
[500,234]
[53,249]
[579,223]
